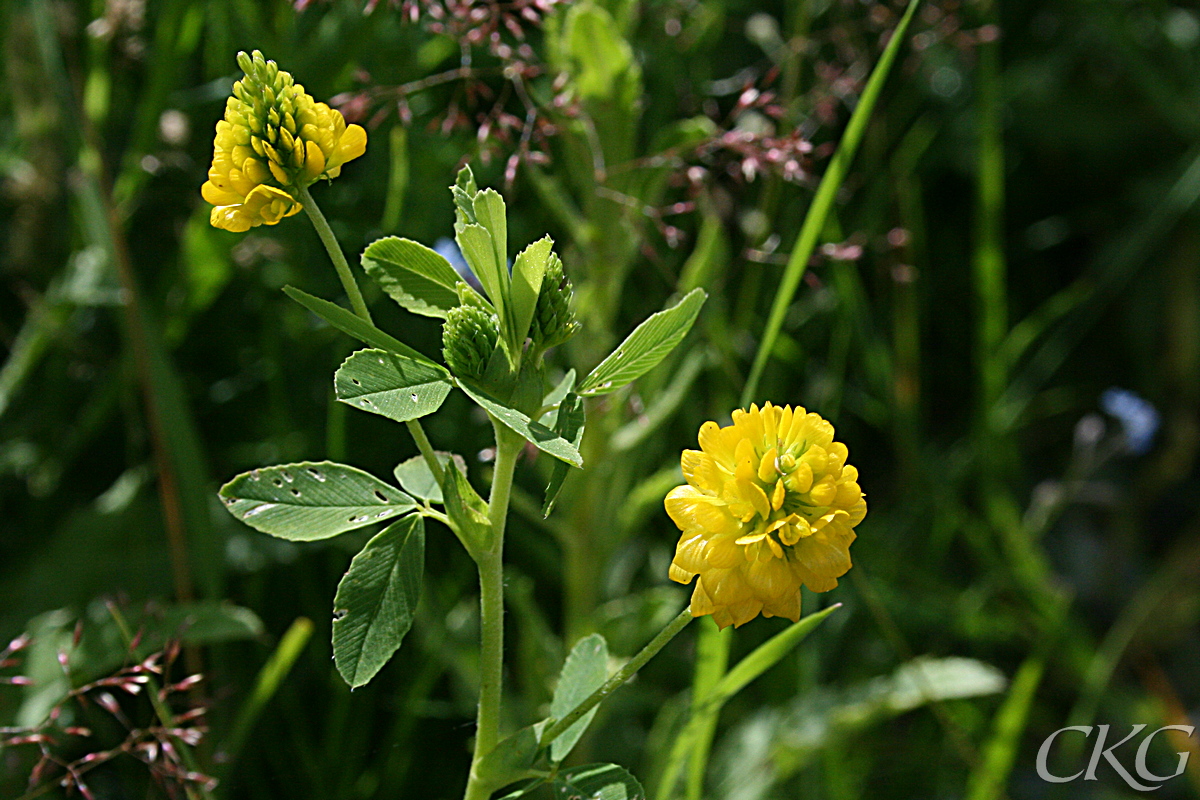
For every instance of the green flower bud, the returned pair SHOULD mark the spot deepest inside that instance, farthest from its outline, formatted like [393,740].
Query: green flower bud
[469,338]
[553,320]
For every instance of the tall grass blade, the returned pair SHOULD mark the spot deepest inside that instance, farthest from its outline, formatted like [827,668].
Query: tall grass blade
[814,221]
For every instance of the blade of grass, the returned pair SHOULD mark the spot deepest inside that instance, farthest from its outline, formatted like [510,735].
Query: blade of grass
[724,687]
[712,658]
[987,782]
[814,220]
[266,685]
[987,260]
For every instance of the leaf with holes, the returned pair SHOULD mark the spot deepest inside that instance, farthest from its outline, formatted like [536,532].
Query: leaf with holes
[351,324]
[538,434]
[597,782]
[413,275]
[415,477]
[391,385]
[568,424]
[307,501]
[645,347]
[376,600]
[584,671]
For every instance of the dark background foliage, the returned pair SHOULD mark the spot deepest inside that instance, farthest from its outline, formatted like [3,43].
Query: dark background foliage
[960,337]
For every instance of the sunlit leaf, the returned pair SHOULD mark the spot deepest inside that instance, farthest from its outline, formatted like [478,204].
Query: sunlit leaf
[527,274]
[416,277]
[645,347]
[569,425]
[391,385]
[538,434]
[308,501]
[415,477]
[351,324]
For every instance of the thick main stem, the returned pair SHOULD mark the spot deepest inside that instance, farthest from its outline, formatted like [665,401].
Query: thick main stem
[325,233]
[491,611]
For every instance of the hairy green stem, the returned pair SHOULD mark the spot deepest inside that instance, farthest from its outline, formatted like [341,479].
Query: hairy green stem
[360,308]
[619,677]
[491,610]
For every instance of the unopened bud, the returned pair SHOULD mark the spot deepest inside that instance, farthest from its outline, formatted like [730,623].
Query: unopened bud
[469,338]
[553,320]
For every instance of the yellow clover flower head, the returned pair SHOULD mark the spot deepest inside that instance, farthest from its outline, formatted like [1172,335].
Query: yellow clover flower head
[770,504]
[273,140]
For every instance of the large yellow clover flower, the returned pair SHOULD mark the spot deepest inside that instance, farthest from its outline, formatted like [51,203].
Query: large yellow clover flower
[274,140]
[770,504]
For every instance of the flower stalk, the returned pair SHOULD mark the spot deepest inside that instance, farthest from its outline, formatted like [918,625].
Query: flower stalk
[618,678]
[325,233]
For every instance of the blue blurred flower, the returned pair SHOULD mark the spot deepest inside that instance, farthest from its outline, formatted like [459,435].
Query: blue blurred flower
[447,248]
[1139,419]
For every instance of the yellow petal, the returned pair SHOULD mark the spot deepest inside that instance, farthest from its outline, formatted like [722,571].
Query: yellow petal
[766,467]
[753,493]
[775,547]
[801,479]
[787,607]
[848,494]
[352,144]
[218,196]
[722,553]
[314,163]
[778,495]
[680,575]
[277,170]
[823,492]
[688,508]
[701,470]
[747,464]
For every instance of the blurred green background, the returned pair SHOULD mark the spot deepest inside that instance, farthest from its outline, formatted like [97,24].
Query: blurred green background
[1014,251]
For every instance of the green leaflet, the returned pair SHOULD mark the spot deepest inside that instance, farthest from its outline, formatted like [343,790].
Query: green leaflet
[568,424]
[394,386]
[415,477]
[538,434]
[376,600]
[414,276]
[597,782]
[528,271]
[308,501]
[479,251]
[583,672]
[467,510]
[351,324]
[645,347]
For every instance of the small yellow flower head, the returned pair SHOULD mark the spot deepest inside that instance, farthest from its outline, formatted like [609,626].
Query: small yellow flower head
[274,139]
[770,504]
